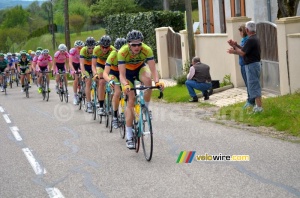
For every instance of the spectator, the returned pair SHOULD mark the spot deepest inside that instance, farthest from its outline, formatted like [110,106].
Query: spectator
[251,56]
[198,78]
[243,34]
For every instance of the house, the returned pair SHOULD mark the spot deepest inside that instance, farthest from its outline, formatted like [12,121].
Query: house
[213,13]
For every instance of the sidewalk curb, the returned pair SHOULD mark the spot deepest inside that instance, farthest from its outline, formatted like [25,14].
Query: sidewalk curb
[218,90]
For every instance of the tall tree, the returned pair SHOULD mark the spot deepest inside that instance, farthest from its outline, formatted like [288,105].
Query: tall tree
[67,26]
[14,17]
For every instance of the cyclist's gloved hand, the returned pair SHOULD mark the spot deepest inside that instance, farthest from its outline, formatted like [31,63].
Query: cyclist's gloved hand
[95,77]
[126,88]
[160,84]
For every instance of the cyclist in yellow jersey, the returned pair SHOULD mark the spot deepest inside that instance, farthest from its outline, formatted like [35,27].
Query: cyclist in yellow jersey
[100,54]
[131,63]
[111,75]
[86,54]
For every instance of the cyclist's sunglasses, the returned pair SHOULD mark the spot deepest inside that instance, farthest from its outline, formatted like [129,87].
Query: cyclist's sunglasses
[90,48]
[135,44]
[103,47]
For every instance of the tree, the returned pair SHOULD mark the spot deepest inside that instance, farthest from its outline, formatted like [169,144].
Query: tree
[150,4]
[14,17]
[77,23]
[107,7]
[188,7]
[287,8]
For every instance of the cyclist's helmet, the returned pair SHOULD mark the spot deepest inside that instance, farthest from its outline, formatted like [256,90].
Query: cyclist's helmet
[45,51]
[38,52]
[105,41]
[62,47]
[119,43]
[79,43]
[32,53]
[8,54]
[13,54]
[1,55]
[39,48]
[23,53]
[29,51]
[90,42]
[97,43]
[134,35]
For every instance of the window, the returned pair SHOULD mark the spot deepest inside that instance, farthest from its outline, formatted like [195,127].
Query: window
[237,8]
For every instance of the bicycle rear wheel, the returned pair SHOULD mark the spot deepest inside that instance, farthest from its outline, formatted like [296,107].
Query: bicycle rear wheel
[10,80]
[121,124]
[146,134]
[136,138]
[46,91]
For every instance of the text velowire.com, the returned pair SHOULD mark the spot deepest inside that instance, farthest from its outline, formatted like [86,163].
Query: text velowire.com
[189,156]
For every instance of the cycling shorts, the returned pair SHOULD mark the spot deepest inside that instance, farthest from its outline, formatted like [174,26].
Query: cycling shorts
[76,66]
[88,68]
[61,67]
[115,74]
[133,75]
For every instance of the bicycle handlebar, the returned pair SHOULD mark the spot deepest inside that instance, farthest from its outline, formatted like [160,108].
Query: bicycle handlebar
[150,87]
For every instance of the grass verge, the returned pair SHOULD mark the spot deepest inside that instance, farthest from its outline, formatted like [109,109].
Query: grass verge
[281,113]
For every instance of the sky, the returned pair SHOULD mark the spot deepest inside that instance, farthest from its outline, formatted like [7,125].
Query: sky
[12,3]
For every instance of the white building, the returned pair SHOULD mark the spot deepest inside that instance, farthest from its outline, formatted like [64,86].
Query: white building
[213,13]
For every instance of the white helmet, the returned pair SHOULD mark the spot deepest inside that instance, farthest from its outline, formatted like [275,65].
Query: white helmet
[45,51]
[78,43]
[38,52]
[62,47]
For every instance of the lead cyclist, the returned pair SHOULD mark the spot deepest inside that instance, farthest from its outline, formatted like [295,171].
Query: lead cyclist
[132,59]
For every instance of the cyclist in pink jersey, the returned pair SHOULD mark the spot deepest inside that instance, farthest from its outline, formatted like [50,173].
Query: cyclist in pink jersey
[34,65]
[44,62]
[61,59]
[74,63]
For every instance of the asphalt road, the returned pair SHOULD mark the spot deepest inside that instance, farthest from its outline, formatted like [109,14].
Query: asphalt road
[52,149]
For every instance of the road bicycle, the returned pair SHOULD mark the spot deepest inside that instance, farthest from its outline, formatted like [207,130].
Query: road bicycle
[62,89]
[107,107]
[16,75]
[10,78]
[4,81]
[94,98]
[142,126]
[45,85]
[26,85]
[81,93]
[121,115]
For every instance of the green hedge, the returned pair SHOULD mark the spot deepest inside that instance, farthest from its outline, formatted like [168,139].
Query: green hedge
[120,24]
[41,31]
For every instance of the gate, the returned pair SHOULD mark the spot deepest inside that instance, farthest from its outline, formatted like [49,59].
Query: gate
[174,53]
[267,35]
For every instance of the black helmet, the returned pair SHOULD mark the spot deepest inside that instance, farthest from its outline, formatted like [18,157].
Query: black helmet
[90,42]
[105,41]
[134,35]
[120,42]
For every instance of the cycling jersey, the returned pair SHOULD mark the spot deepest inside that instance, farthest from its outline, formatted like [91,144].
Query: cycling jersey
[24,65]
[43,61]
[100,56]
[61,57]
[87,57]
[134,61]
[3,65]
[75,55]
[112,61]
[10,61]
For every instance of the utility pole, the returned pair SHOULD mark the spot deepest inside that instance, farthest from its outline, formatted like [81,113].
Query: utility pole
[189,25]
[67,30]
[52,25]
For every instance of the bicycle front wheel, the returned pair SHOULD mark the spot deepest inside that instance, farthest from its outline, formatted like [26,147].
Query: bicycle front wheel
[61,94]
[26,88]
[46,91]
[66,94]
[146,134]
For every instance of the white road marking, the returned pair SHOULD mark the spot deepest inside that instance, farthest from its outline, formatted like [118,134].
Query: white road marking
[6,118]
[54,193]
[15,132]
[34,164]
[1,109]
